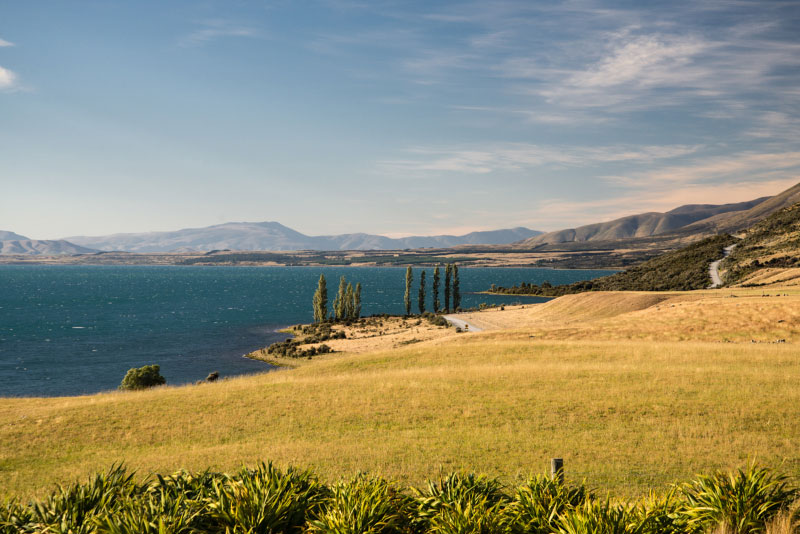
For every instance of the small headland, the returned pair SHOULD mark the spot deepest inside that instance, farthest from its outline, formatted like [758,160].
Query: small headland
[328,339]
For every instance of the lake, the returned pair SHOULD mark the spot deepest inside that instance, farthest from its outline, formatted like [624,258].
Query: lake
[69,330]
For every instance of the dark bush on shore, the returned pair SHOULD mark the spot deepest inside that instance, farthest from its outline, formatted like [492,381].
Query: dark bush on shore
[142,378]
[436,320]
[268,499]
[319,332]
[291,349]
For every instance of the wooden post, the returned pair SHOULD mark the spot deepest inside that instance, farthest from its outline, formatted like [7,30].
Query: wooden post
[557,469]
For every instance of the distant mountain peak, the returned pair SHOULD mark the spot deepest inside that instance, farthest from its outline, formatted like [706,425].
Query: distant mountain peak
[11,236]
[40,247]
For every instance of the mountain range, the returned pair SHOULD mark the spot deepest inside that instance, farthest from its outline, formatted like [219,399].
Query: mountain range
[691,222]
[273,236]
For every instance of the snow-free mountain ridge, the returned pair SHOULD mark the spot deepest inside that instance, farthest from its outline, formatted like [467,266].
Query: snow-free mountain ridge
[273,236]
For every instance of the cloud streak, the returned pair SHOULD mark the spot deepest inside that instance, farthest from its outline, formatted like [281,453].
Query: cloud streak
[213,30]
[4,43]
[522,156]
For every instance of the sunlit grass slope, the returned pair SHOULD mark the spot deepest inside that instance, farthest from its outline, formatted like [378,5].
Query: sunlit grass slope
[627,416]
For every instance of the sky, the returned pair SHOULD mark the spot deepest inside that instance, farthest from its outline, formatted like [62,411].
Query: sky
[389,117]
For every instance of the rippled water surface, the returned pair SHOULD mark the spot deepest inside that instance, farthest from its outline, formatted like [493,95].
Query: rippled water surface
[67,330]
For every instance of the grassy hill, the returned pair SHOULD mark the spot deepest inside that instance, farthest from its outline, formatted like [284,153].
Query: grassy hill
[769,252]
[679,270]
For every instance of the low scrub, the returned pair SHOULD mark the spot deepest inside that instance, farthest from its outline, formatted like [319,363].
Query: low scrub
[291,348]
[270,500]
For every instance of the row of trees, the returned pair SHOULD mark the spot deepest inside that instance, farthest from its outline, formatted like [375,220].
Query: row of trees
[346,304]
[452,285]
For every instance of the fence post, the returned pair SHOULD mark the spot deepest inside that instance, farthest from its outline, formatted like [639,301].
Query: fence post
[557,469]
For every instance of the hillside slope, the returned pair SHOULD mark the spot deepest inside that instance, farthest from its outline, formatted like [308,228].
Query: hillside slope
[769,252]
[736,221]
[41,247]
[644,224]
[11,236]
[680,270]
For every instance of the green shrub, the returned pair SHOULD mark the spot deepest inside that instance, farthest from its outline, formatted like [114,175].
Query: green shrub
[264,499]
[74,509]
[14,517]
[536,505]
[602,517]
[363,506]
[461,503]
[161,512]
[740,502]
[142,378]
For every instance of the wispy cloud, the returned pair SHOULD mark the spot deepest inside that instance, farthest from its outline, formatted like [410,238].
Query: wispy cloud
[520,156]
[728,169]
[216,29]
[8,79]
[4,43]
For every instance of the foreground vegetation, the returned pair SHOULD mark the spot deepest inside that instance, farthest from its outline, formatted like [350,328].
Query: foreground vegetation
[267,499]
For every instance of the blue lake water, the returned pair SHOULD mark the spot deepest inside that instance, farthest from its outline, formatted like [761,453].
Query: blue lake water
[68,330]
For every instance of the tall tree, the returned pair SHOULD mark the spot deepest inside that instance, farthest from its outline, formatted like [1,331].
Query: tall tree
[349,302]
[421,295]
[448,272]
[436,289]
[456,289]
[407,297]
[338,302]
[357,302]
[321,301]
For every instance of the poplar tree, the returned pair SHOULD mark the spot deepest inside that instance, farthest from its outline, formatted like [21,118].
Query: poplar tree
[422,292]
[320,301]
[448,272]
[349,302]
[456,289]
[407,297]
[436,289]
[338,302]
[357,302]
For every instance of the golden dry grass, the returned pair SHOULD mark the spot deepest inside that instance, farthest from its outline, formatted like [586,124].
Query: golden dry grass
[626,414]
[737,315]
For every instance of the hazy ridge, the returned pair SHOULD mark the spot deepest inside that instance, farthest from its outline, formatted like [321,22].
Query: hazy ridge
[273,236]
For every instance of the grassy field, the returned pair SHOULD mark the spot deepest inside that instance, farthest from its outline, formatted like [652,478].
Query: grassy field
[627,416]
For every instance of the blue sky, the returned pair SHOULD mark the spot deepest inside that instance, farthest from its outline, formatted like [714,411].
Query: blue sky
[389,117]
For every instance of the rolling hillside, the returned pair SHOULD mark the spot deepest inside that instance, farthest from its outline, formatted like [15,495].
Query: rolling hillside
[681,225]
[644,224]
[769,252]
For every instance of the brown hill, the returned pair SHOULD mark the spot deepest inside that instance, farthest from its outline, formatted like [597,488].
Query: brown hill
[736,221]
[688,222]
